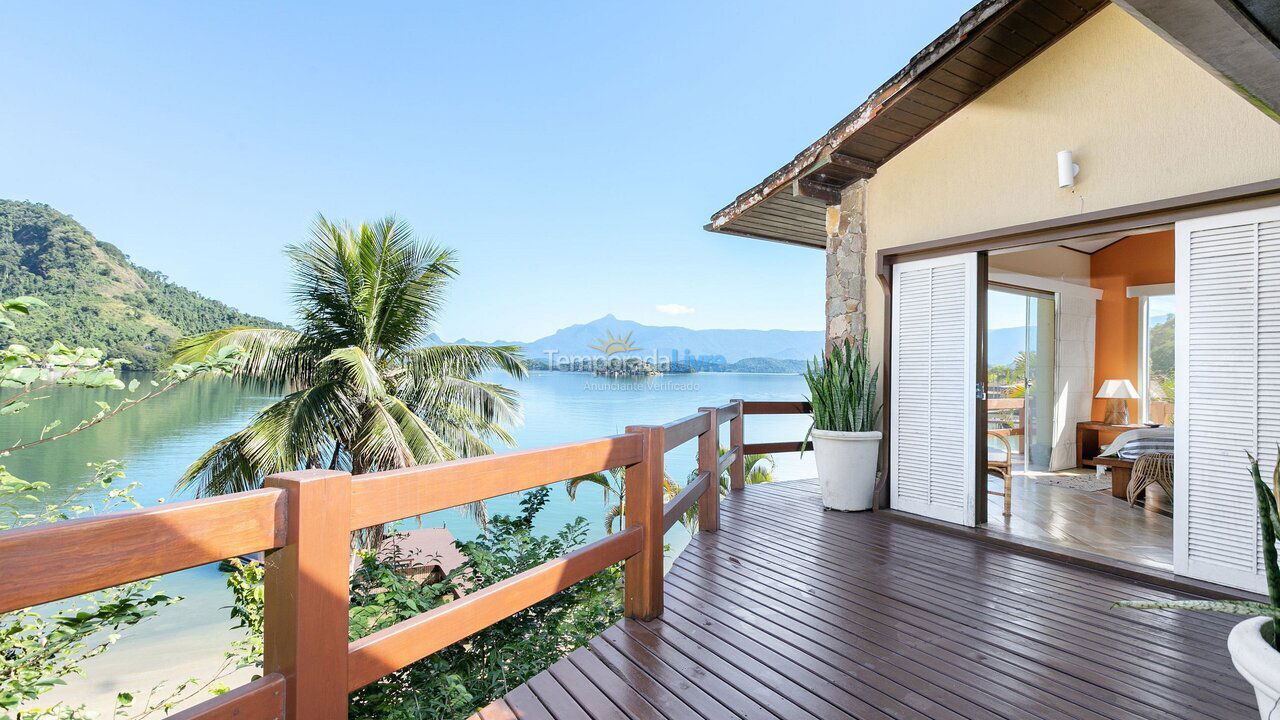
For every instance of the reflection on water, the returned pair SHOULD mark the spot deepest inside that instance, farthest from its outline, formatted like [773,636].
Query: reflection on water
[158,440]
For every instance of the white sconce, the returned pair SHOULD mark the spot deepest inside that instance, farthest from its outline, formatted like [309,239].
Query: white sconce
[1067,170]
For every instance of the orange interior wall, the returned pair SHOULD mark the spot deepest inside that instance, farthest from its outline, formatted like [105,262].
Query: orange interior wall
[1134,260]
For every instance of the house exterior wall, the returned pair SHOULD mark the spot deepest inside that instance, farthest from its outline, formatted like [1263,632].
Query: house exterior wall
[1144,122]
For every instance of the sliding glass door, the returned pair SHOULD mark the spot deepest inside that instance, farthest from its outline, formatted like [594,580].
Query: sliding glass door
[1021,332]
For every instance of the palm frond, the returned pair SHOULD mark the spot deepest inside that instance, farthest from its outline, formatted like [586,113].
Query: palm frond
[359,372]
[600,479]
[267,353]
[291,433]
[465,361]
[495,403]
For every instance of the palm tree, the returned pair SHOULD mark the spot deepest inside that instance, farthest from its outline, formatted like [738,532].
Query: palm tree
[361,392]
[614,484]
[756,469]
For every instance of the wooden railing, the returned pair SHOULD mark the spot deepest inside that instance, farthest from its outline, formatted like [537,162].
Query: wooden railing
[304,520]
[776,408]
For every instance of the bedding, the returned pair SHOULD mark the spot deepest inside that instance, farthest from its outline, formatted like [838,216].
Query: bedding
[1133,444]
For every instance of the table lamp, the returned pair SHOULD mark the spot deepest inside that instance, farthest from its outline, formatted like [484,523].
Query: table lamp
[1117,393]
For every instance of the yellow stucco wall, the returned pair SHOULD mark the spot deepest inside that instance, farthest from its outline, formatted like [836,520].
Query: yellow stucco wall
[1143,121]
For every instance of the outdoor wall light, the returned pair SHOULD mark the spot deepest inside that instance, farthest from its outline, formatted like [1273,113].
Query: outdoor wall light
[1067,170]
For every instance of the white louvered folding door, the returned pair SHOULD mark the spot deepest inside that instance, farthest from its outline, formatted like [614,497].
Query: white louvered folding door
[1227,390]
[933,388]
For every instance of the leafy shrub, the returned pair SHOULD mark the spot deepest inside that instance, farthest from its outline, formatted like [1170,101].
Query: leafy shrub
[467,675]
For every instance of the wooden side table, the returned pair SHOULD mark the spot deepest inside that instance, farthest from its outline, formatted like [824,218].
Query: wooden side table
[1090,437]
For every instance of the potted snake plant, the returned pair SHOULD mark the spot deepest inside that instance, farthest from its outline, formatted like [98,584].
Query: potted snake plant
[842,391]
[1253,644]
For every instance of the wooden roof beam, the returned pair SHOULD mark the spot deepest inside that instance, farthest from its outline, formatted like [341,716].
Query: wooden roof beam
[845,161]
[806,187]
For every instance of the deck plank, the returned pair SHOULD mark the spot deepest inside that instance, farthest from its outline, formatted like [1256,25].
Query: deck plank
[793,612]
[1087,631]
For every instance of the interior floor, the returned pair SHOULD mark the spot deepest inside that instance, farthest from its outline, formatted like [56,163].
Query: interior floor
[1051,510]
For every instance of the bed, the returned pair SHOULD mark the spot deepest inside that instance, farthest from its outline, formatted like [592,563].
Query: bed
[1128,446]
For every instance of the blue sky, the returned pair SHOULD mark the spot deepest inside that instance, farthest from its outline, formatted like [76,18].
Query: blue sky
[569,152]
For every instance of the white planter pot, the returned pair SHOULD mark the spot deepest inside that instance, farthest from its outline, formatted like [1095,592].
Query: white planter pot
[847,467]
[1259,663]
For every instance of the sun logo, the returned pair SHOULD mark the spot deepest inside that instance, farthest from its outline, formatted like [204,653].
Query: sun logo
[610,345]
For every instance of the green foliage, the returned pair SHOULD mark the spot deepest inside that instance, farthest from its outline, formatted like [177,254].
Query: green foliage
[842,389]
[96,296]
[756,469]
[364,394]
[1269,521]
[1160,348]
[40,648]
[614,484]
[467,675]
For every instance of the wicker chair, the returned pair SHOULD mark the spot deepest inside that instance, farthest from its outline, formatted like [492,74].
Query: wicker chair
[1148,470]
[1000,459]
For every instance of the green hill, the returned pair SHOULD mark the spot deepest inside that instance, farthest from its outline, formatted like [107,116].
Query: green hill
[96,296]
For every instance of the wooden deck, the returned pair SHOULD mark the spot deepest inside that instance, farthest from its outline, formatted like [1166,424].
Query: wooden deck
[790,612]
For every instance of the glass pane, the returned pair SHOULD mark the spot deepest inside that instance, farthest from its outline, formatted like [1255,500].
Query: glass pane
[1020,377]
[1159,370]
[1040,345]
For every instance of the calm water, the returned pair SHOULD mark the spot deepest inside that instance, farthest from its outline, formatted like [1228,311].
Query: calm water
[159,440]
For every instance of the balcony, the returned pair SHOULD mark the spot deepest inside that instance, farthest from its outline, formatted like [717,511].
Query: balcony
[777,609]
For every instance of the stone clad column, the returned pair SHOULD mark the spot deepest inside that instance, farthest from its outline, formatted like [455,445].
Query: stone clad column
[846,265]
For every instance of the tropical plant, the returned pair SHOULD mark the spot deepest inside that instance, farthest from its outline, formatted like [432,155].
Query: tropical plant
[1269,520]
[454,682]
[363,393]
[613,483]
[756,469]
[842,389]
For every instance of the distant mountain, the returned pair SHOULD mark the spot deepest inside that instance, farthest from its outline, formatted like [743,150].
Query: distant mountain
[96,296]
[767,365]
[732,345]
[1004,344]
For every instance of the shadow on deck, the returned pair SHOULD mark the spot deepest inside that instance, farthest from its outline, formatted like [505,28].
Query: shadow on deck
[792,612]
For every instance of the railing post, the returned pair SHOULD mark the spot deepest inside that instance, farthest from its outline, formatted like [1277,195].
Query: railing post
[307,594]
[737,479]
[642,507]
[709,462]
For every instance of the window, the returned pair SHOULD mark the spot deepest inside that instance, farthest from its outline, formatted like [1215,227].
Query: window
[1156,357]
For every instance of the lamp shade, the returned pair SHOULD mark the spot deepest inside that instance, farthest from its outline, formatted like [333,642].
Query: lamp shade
[1117,390]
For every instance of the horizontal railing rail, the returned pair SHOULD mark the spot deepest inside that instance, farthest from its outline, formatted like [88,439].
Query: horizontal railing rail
[411,640]
[261,698]
[304,520]
[771,407]
[384,497]
[685,499]
[53,562]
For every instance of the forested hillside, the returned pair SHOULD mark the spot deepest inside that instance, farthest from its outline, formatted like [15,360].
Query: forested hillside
[96,296]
